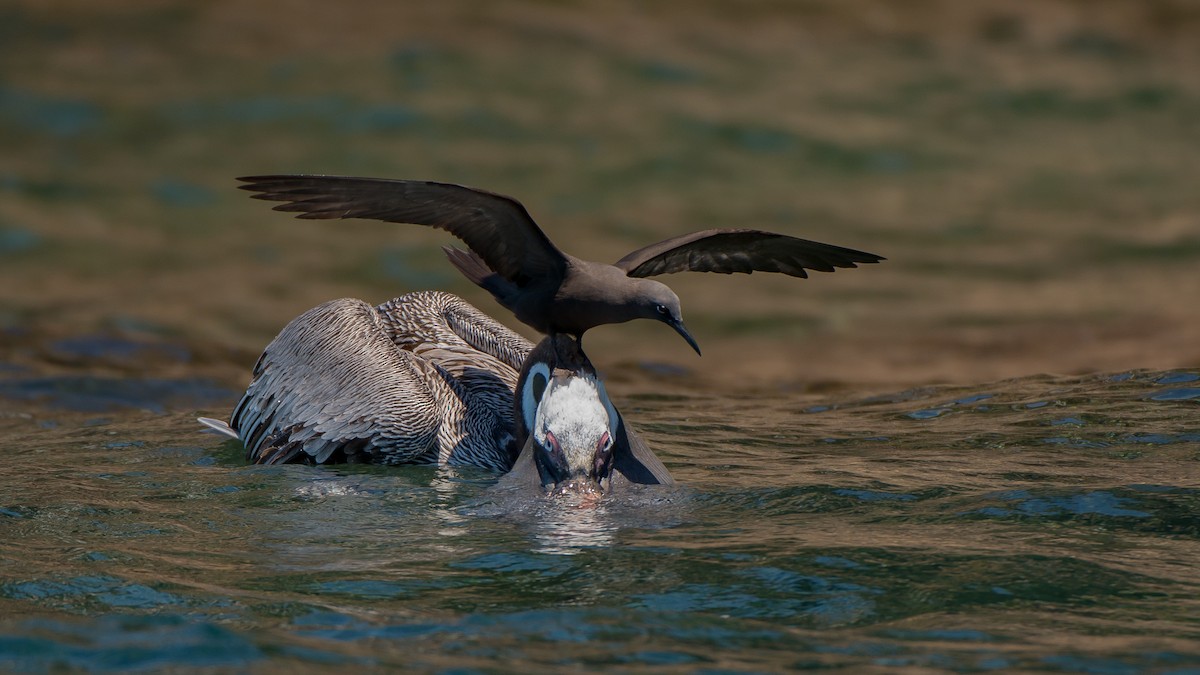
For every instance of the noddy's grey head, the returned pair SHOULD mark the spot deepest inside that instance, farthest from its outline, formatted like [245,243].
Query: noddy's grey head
[573,429]
[657,301]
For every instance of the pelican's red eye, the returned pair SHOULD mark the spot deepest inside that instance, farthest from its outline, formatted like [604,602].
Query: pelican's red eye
[605,441]
[552,441]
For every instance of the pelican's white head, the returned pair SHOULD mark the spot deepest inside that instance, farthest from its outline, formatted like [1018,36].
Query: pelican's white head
[573,426]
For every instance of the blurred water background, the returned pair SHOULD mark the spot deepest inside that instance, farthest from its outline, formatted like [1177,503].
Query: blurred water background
[979,455]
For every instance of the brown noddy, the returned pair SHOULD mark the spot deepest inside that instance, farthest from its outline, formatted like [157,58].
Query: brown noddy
[510,256]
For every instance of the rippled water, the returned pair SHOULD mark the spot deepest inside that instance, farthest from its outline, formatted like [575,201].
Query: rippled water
[1038,523]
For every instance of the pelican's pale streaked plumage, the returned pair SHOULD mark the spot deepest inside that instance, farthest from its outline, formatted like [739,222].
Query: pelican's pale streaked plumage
[428,378]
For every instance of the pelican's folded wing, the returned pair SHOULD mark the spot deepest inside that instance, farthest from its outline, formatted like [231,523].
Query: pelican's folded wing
[634,460]
[332,384]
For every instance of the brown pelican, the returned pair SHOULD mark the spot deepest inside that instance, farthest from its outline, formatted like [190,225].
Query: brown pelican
[513,259]
[427,378]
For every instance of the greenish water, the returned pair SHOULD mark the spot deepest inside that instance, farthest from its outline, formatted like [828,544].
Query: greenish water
[1040,523]
[1029,172]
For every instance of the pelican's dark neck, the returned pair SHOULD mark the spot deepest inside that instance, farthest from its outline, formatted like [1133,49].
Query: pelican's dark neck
[555,354]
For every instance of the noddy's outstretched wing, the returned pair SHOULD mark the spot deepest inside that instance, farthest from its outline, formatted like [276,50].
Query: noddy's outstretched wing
[746,251]
[497,228]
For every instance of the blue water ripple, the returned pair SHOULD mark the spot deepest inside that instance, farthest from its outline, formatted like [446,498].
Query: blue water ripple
[875,495]
[1099,502]
[15,240]
[60,117]
[181,194]
[663,658]
[945,634]
[109,347]
[108,590]
[84,393]
[930,413]
[833,604]
[836,562]
[1085,664]
[1177,378]
[973,399]
[365,588]
[514,562]
[124,644]
[1182,394]
[927,414]
[1161,439]
[1074,442]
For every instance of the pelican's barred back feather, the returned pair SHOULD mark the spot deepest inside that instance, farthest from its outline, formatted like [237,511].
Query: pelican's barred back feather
[423,378]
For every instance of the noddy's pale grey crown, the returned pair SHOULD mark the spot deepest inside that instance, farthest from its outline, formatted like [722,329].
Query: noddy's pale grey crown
[427,378]
[516,262]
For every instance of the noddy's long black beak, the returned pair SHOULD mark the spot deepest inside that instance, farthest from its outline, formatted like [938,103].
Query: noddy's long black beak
[677,324]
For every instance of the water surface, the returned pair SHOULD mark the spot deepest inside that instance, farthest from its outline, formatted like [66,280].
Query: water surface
[1038,523]
[1028,169]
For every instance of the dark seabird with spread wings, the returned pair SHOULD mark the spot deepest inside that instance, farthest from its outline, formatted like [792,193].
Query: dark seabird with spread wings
[551,291]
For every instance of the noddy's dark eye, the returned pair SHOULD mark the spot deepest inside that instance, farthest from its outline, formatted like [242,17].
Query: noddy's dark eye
[662,309]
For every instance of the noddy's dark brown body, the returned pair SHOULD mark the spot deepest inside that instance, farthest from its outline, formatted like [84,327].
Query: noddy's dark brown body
[512,258]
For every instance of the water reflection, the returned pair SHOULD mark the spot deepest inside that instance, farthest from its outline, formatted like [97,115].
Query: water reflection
[565,526]
[448,491]
[556,524]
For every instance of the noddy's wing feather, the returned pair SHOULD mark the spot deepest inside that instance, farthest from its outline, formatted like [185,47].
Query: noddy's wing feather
[746,251]
[495,227]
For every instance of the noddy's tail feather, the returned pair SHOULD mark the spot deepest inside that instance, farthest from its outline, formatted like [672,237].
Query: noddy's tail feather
[472,266]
